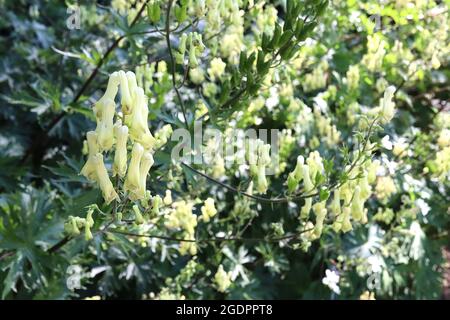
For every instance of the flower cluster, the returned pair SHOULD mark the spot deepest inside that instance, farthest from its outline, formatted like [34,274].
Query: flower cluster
[125,135]
[222,279]
[181,217]
[258,157]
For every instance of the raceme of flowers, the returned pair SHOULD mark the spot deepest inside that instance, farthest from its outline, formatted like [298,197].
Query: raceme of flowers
[124,135]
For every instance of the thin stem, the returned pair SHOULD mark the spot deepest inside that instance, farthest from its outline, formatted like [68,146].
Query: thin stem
[248,195]
[214,239]
[172,61]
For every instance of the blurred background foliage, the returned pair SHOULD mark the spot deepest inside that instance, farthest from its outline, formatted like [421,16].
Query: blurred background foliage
[50,77]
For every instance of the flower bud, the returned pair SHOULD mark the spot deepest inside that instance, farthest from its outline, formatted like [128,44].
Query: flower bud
[87,233]
[292,182]
[156,203]
[138,215]
[168,198]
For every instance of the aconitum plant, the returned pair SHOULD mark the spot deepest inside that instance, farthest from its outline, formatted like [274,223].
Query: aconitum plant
[200,149]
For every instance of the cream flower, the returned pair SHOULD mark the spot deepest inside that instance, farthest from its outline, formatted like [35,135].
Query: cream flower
[105,126]
[132,181]
[126,101]
[222,279]
[109,194]
[216,69]
[208,209]
[110,94]
[89,170]
[120,156]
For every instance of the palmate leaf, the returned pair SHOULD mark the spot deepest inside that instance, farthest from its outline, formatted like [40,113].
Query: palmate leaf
[29,226]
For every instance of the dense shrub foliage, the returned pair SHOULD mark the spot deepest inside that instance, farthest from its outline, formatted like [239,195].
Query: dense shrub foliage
[351,202]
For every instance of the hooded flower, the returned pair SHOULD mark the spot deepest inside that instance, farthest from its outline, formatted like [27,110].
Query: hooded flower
[126,101]
[120,156]
[132,181]
[138,121]
[387,106]
[110,94]
[88,169]
[105,126]
[146,163]
[109,194]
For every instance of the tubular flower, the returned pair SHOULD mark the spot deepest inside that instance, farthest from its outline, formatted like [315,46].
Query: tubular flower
[306,179]
[146,163]
[110,94]
[297,175]
[304,213]
[88,225]
[132,84]
[126,101]
[88,169]
[366,189]
[132,181]
[336,203]
[342,222]
[357,205]
[105,126]
[109,194]
[120,156]
[387,106]
[137,121]
[208,209]
[321,213]
[372,171]
[261,181]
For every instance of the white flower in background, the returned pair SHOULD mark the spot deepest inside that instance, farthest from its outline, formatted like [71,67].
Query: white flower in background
[423,206]
[74,276]
[390,166]
[376,263]
[331,280]
[273,100]
[386,143]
